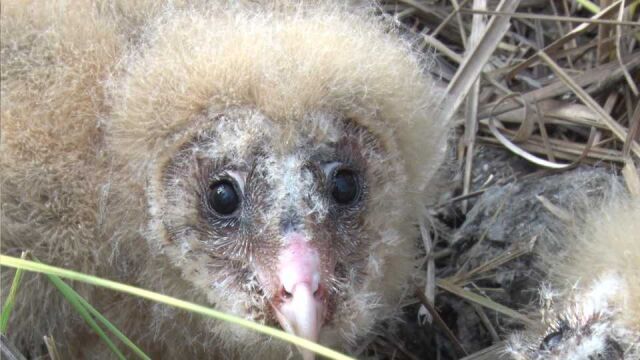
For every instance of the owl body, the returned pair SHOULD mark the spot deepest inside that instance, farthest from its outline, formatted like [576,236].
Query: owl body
[269,161]
[593,291]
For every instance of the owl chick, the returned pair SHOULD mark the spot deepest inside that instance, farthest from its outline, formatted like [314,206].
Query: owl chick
[596,287]
[269,161]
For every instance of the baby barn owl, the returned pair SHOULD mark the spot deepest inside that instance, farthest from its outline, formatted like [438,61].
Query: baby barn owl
[596,291]
[269,161]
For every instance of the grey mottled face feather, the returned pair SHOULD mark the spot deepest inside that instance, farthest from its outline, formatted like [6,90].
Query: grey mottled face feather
[278,183]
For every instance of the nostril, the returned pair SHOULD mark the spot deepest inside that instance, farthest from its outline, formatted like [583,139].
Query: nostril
[285,294]
[319,293]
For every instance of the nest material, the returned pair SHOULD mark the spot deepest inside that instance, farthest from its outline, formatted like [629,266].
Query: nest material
[551,124]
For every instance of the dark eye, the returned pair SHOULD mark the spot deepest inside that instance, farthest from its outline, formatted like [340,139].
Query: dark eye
[345,187]
[223,197]
[552,340]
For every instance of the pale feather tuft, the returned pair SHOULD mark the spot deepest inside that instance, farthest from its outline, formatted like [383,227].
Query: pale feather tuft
[97,97]
[594,301]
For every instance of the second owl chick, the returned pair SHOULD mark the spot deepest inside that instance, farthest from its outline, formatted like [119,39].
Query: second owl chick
[595,290]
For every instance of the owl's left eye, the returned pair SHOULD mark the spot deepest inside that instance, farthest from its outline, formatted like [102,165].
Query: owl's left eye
[223,197]
[551,340]
[345,187]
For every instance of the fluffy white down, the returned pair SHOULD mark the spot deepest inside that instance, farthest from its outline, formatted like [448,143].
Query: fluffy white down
[595,288]
[97,96]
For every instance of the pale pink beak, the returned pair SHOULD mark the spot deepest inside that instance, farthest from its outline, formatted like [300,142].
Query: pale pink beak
[301,308]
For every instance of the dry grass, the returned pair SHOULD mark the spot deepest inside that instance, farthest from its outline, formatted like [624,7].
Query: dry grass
[555,83]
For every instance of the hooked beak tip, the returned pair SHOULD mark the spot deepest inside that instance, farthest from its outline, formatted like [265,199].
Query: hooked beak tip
[301,315]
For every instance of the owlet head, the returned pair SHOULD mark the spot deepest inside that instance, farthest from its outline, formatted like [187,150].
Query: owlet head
[285,157]
[275,221]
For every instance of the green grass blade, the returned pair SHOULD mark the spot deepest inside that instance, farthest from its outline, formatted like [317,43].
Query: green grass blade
[67,289]
[11,299]
[73,298]
[41,268]
[115,330]
[106,323]
[589,6]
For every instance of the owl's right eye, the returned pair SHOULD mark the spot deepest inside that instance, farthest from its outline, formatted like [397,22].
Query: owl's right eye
[223,197]
[555,338]
[345,187]
[551,340]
